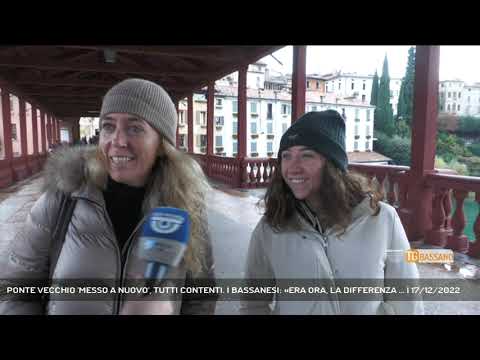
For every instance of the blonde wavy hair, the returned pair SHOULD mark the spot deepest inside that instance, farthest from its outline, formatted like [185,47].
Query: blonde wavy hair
[177,180]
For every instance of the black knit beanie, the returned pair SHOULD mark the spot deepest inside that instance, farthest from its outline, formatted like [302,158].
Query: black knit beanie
[322,131]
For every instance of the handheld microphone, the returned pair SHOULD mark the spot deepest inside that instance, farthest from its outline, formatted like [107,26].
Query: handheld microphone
[163,241]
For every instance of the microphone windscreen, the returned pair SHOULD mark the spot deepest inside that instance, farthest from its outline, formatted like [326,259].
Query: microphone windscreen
[164,236]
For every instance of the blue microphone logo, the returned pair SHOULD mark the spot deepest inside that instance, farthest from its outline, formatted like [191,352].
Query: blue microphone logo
[166,223]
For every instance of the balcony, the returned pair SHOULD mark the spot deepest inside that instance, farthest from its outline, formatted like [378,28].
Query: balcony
[270,136]
[254,136]
[234,136]
[357,137]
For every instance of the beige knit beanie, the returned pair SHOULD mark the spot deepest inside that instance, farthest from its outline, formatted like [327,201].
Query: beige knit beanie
[146,100]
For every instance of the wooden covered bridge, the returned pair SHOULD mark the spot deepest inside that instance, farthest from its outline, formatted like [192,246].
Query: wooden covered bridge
[50,87]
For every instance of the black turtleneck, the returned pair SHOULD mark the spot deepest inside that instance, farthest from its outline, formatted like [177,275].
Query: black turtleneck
[124,206]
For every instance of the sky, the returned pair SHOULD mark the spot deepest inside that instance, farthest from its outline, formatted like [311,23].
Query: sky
[462,62]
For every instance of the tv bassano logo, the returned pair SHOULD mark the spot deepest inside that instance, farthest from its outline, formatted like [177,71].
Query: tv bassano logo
[435,256]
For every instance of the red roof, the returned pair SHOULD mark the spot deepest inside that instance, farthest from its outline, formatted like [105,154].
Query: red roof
[366,156]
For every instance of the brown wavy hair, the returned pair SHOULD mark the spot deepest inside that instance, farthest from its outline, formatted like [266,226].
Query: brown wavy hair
[344,190]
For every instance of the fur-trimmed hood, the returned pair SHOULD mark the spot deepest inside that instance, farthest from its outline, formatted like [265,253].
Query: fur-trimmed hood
[69,168]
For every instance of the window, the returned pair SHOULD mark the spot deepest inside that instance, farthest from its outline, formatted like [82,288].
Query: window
[218,141]
[234,106]
[458,107]
[181,117]
[321,99]
[314,108]
[355,146]
[201,118]
[318,85]
[203,140]
[326,88]
[253,147]
[448,107]
[234,128]
[363,98]
[441,107]
[357,114]
[459,94]
[284,127]
[269,127]
[356,130]
[182,140]
[285,109]
[253,127]
[468,99]
[449,94]
[14,132]
[269,111]
[219,121]
[368,114]
[363,85]
[367,145]
[343,114]
[253,107]
[269,146]
[368,130]
[218,102]
[308,84]
[339,85]
[234,147]
[353,85]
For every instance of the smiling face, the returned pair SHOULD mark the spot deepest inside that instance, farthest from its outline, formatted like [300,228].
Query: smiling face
[130,146]
[302,170]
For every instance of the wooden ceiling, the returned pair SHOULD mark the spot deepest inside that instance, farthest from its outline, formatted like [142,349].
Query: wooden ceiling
[70,81]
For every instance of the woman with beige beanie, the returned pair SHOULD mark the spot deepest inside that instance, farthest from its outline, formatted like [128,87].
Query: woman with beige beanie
[115,185]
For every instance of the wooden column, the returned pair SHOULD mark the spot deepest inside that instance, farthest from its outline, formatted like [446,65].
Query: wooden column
[23,127]
[35,130]
[7,125]
[210,115]
[298,81]
[417,216]
[42,131]
[190,123]
[242,112]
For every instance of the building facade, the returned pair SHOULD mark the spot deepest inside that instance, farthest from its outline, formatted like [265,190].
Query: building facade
[459,98]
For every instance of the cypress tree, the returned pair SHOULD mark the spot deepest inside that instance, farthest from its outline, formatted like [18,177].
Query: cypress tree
[405,100]
[384,111]
[374,95]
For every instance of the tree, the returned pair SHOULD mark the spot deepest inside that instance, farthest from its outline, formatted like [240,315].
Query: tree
[374,96]
[396,148]
[383,112]
[405,99]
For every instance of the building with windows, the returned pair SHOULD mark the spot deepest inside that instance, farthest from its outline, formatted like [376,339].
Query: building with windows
[459,98]
[269,115]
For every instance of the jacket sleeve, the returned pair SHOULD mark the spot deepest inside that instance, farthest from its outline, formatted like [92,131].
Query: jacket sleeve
[257,267]
[399,272]
[203,304]
[27,260]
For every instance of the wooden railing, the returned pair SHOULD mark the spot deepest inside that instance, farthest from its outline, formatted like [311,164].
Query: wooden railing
[20,168]
[241,173]
[447,229]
